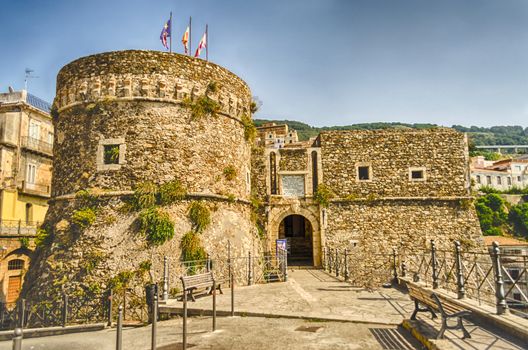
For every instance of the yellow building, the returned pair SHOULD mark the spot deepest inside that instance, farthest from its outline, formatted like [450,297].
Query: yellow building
[26,145]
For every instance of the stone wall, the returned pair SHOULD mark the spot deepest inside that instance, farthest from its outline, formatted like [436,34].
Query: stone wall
[139,103]
[293,159]
[442,153]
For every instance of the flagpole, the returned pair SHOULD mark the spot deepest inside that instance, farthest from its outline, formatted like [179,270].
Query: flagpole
[206,43]
[170,32]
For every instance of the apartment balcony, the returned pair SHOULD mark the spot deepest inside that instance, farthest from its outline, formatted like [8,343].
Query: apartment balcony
[18,227]
[36,145]
[37,189]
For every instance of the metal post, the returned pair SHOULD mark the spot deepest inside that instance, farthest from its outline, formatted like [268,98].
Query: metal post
[323,260]
[285,253]
[165,279]
[394,267]
[502,306]
[337,262]
[119,331]
[433,264]
[64,309]
[208,263]
[330,261]
[22,316]
[231,278]
[110,306]
[461,291]
[17,339]
[184,335]
[154,322]
[346,272]
[214,305]
[249,269]
[403,269]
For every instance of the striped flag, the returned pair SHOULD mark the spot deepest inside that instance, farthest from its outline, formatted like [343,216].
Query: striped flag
[202,45]
[185,40]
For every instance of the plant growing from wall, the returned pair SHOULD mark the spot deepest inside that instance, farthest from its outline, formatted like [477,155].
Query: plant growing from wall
[43,237]
[250,131]
[323,195]
[199,215]
[171,192]
[253,107]
[145,195]
[230,173]
[203,106]
[191,246]
[212,88]
[156,225]
[83,217]
[111,154]
[24,242]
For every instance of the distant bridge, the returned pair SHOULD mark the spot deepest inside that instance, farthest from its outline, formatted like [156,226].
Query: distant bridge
[499,148]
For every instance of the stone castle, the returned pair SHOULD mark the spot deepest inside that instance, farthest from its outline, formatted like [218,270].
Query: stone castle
[129,117]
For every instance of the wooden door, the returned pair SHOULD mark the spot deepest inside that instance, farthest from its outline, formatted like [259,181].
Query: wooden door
[13,288]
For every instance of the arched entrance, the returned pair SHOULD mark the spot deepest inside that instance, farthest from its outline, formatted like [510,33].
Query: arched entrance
[299,232]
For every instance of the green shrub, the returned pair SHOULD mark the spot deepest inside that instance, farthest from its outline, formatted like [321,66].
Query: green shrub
[156,225]
[230,173]
[111,154]
[253,107]
[250,131]
[121,281]
[199,215]
[86,197]
[491,214]
[212,88]
[24,242]
[231,198]
[203,106]
[519,218]
[83,217]
[323,195]
[191,246]
[145,195]
[171,192]
[42,238]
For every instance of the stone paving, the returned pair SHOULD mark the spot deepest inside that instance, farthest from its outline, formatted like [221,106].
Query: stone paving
[311,293]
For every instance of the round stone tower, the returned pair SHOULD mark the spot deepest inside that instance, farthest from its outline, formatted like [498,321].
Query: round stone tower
[125,118]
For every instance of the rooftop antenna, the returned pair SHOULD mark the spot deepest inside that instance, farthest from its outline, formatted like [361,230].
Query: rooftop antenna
[29,75]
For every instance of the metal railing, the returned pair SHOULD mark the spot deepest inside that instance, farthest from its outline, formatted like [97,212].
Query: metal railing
[494,278]
[18,227]
[37,145]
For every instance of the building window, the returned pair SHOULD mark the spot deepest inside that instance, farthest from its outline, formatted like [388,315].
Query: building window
[50,138]
[518,179]
[499,180]
[478,179]
[517,296]
[29,213]
[488,180]
[111,154]
[364,172]
[34,129]
[417,174]
[508,180]
[315,179]
[514,274]
[31,173]
[16,264]
[273,173]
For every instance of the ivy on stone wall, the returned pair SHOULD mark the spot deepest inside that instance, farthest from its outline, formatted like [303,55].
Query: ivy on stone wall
[83,217]
[323,195]
[191,246]
[230,173]
[202,106]
[250,131]
[156,225]
[199,215]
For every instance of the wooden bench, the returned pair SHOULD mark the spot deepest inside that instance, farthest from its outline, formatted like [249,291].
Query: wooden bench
[195,282]
[432,302]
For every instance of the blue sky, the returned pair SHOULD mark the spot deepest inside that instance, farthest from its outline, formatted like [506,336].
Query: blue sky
[324,62]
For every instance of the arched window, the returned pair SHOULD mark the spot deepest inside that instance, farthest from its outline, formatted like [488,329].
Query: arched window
[16,264]
[29,213]
[273,173]
[315,178]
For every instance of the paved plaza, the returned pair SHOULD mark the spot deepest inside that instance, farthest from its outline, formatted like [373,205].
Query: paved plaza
[313,310]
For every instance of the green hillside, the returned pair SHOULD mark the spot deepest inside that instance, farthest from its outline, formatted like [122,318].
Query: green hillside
[495,135]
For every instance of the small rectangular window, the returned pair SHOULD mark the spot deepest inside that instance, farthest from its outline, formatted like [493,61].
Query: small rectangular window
[363,173]
[417,174]
[31,173]
[111,154]
[488,180]
[499,180]
[478,179]
[509,181]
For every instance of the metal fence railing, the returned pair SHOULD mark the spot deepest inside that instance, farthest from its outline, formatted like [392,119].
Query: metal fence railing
[498,277]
